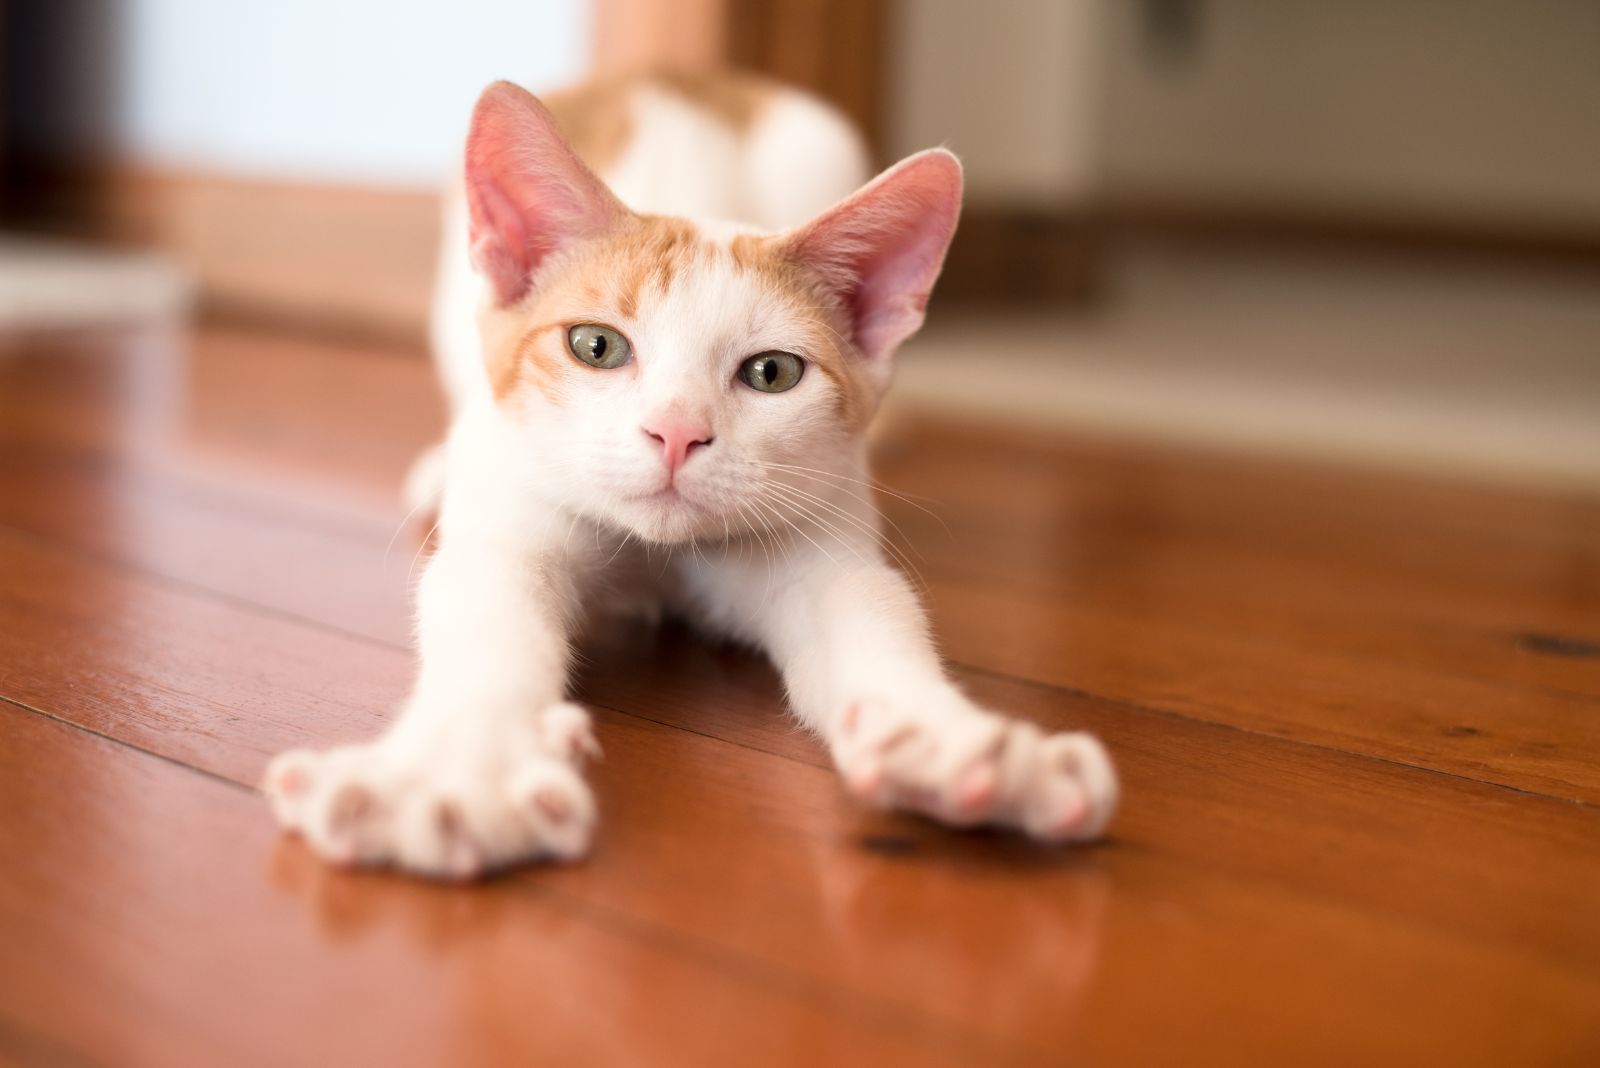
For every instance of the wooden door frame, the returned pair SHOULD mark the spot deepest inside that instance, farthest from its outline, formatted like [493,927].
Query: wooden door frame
[834,48]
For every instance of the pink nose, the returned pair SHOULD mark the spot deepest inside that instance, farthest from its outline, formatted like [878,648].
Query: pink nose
[678,439]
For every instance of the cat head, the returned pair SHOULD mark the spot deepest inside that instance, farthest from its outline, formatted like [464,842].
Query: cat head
[682,380]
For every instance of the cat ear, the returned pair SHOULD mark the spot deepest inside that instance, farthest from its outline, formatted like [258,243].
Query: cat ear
[881,248]
[528,193]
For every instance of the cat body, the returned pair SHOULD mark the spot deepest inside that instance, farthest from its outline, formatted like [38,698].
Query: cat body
[665,339]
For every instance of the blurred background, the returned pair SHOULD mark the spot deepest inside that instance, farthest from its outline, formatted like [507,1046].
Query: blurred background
[1367,231]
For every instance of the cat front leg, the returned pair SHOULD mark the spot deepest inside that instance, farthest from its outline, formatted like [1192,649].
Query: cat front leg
[854,648]
[482,769]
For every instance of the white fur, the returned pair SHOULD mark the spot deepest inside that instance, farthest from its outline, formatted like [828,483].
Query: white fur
[772,538]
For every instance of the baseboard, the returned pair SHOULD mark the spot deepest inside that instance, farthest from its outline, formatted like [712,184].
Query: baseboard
[355,259]
[1037,258]
[1372,228]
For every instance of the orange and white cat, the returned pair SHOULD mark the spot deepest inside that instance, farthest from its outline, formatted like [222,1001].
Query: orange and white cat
[684,355]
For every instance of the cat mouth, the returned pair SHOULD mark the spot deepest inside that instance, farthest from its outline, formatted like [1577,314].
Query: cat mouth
[669,496]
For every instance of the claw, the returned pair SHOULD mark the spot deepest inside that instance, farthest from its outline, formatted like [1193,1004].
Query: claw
[865,779]
[288,783]
[291,781]
[462,859]
[349,807]
[347,810]
[584,745]
[1071,815]
[553,803]
[977,788]
[567,732]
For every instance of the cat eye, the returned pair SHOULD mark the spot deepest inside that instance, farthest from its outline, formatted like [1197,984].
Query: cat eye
[599,346]
[772,372]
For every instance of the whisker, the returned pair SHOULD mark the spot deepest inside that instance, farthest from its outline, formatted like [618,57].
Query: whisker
[796,528]
[419,506]
[627,535]
[412,570]
[821,521]
[879,512]
[877,537]
[755,531]
[820,475]
[783,523]
[874,535]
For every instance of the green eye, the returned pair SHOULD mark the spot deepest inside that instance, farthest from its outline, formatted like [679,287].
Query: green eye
[772,372]
[599,346]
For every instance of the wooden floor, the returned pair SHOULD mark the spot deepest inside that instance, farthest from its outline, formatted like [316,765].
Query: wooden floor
[1357,716]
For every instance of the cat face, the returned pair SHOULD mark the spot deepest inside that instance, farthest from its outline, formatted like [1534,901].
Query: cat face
[670,374]
[686,381]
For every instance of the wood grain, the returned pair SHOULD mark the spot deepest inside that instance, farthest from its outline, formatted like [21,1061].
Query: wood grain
[192,936]
[1422,640]
[193,576]
[163,677]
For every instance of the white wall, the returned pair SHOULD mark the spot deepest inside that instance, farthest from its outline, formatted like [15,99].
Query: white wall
[1484,110]
[328,90]
[1474,108]
[1012,86]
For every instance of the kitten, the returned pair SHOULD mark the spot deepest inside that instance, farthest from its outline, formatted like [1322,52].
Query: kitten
[701,387]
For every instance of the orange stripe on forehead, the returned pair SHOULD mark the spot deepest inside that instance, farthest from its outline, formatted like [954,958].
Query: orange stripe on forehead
[771,261]
[673,247]
[654,252]
[752,252]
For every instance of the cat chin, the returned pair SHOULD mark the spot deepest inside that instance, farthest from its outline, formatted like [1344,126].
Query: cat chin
[668,522]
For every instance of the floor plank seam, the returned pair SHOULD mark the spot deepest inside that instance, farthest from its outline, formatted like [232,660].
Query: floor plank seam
[108,466]
[1134,706]
[268,611]
[125,744]
[1252,641]
[74,550]
[643,718]
[77,551]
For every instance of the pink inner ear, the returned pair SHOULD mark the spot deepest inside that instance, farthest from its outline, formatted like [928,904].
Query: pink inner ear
[883,246]
[528,194]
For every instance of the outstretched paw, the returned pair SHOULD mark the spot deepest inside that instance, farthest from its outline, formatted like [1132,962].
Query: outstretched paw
[461,807]
[945,758]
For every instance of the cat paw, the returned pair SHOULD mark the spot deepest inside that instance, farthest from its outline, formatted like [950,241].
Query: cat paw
[456,809]
[945,758]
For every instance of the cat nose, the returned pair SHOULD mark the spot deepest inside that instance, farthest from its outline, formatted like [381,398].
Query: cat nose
[677,439]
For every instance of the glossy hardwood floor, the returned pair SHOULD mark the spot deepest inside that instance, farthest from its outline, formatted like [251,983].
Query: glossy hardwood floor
[1357,716]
